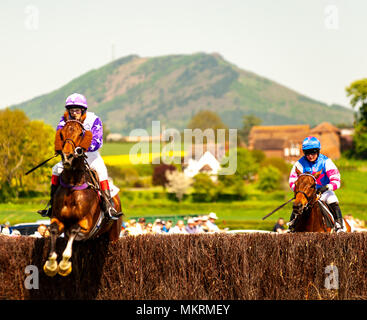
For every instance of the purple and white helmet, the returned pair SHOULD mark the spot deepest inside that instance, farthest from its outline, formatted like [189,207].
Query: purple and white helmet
[76,99]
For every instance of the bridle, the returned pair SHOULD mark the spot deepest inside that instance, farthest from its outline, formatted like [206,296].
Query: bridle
[304,193]
[71,141]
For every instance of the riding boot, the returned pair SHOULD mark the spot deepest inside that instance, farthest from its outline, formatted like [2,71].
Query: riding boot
[47,212]
[339,225]
[108,205]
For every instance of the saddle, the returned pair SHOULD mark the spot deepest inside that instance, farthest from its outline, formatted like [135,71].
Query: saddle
[327,213]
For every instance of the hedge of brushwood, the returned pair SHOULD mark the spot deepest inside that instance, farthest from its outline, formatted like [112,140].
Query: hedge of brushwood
[215,267]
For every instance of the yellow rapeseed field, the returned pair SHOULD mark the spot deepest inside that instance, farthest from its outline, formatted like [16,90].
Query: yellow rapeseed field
[143,158]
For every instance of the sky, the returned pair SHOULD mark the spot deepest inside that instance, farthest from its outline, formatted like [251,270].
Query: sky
[316,47]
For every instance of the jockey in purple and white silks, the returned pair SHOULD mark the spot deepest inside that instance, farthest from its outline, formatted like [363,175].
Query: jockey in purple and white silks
[328,181]
[76,109]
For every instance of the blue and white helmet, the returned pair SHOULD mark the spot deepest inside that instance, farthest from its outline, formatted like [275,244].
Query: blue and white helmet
[311,143]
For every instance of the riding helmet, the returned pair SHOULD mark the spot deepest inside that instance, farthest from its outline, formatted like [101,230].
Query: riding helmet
[76,99]
[311,143]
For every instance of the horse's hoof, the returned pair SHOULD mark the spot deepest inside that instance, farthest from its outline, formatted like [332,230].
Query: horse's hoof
[50,269]
[64,268]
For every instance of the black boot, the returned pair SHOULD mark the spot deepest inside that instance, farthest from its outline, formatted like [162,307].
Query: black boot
[339,223]
[47,212]
[108,206]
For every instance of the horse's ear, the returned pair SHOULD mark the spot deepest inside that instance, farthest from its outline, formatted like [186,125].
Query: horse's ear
[66,115]
[298,172]
[317,174]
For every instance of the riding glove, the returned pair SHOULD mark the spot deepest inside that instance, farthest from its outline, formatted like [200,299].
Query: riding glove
[323,189]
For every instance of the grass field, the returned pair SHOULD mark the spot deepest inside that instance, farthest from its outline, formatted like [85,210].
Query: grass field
[242,214]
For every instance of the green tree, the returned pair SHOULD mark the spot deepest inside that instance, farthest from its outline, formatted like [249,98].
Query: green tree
[247,166]
[203,184]
[23,144]
[207,119]
[269,178]
[248,122]
[357,91]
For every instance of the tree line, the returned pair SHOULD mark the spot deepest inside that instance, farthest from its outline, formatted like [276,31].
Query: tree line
[24,143]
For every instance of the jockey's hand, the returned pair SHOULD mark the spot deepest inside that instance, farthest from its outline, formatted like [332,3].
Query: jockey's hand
[323,189]
[79,151]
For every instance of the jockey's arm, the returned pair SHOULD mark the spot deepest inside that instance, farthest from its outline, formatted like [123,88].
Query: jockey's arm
[97,131]
[333,174]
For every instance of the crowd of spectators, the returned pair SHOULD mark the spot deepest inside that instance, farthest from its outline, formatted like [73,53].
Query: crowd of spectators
[195,225]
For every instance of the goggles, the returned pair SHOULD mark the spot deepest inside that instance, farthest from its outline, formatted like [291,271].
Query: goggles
[311,151]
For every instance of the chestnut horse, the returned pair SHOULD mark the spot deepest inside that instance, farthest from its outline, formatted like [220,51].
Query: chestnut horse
[76,209]
[306,207]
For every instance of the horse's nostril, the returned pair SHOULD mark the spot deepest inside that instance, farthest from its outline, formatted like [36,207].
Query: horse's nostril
[69,156]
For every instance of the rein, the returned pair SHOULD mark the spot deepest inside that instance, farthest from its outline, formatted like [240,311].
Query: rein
[281,206]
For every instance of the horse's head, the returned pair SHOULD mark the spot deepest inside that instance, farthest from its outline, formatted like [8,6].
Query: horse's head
[73,137]
[304,190]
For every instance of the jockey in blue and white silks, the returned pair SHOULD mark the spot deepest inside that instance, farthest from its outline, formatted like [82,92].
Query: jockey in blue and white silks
[328,181]
[76,109]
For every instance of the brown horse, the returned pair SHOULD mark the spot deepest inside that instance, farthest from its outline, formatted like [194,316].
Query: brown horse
[76,207]
[309,217]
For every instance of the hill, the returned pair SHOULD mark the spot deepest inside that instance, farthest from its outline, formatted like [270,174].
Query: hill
[130,92]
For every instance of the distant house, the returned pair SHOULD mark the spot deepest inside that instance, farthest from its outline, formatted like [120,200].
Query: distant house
[113,137]
[142,138]
[206,164]
[329,137]
[279,141]
[346,139]
[286,141]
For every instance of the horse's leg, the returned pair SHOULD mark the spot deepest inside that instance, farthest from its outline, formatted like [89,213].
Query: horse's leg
[50,267]
[65,264]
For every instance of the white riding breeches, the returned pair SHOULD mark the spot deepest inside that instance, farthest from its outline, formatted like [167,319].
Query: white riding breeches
[94,160]
[329,197]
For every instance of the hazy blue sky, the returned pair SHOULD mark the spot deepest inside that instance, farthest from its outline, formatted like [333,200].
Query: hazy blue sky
[316,47]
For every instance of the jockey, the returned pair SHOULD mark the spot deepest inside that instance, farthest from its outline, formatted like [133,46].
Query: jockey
[76,109]
[329,180]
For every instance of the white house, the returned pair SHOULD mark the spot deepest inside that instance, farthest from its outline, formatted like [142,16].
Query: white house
[206,164]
